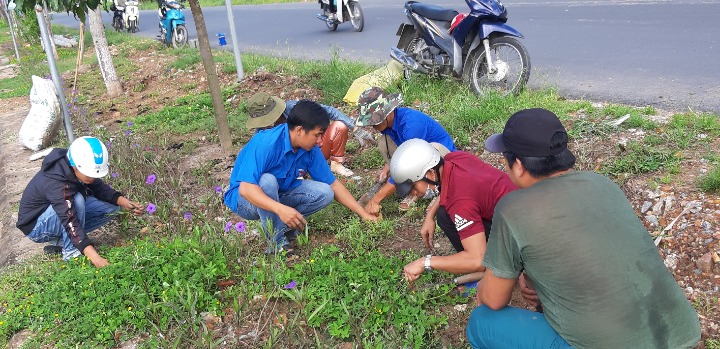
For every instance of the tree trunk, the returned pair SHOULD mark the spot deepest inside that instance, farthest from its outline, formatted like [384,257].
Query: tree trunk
[107,69]
[50,32]
[213,83]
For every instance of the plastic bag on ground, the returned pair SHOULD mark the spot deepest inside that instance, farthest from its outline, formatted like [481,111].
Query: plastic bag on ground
[43,120]
[381,77]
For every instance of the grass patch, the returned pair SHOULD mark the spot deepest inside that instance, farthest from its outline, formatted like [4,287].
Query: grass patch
[639,160]
[710,182]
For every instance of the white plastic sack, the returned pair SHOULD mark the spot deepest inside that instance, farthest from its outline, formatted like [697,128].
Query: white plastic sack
[42,122]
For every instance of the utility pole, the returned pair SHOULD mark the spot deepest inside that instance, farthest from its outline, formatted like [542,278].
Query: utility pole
[233,37]
[54,72]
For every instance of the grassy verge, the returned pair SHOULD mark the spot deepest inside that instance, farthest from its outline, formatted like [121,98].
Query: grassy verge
[191,265]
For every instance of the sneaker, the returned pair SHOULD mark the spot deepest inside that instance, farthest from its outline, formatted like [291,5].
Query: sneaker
[331,17]
[407,203]
[52,250]
[341,170]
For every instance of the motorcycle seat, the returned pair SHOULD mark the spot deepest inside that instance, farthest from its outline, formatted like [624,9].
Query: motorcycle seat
[437,13]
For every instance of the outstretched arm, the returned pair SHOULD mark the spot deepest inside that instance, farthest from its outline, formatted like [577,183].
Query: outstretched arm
[373,206]
[467,261]
[345,198]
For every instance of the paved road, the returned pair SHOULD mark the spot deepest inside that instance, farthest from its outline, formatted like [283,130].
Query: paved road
[642,52]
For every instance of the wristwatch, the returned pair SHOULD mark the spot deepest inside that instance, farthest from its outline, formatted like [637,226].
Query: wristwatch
[427,263]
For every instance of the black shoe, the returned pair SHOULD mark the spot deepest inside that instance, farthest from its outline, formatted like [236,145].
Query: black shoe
[52,250]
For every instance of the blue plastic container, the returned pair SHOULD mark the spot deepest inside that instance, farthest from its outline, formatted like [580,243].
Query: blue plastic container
[221,39]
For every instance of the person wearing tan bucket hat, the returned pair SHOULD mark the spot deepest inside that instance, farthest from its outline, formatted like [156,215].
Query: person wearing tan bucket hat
[281,176]
[267,111]
[396,125]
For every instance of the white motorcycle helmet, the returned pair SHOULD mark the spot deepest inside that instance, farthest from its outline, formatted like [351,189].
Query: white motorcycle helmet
[410,162]
[90,156]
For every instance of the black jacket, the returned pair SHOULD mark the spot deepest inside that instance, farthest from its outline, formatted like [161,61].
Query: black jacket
[56,184]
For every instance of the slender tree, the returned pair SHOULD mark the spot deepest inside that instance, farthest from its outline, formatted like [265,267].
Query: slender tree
[105,62]
[213,83]
[83,9]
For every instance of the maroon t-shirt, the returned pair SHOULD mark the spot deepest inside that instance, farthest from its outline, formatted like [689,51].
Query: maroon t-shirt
[470,190]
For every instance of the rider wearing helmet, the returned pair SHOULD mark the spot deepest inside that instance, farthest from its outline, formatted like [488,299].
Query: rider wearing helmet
[67,199]
[397,124]
[468,191]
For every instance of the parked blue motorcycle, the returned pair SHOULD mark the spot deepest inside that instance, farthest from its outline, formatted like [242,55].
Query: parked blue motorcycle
[479,48]
[172,24]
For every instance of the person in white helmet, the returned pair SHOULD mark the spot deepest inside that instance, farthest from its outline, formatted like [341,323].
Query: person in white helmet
[67,199]
[467,191]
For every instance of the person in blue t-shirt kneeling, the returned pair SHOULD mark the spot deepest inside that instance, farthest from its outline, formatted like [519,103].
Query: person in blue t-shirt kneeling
[270,180]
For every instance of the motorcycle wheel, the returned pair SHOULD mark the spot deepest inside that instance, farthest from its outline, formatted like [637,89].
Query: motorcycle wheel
[512,68]
[356,16]
[331,26]
[132,26]
[181,39]
[117,24]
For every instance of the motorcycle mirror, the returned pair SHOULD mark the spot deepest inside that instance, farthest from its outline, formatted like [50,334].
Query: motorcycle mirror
[11,5]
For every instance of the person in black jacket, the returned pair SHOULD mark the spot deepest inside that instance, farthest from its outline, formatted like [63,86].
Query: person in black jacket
[67,199]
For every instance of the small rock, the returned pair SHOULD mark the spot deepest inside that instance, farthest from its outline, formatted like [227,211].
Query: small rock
[658,207]
[706,225]
[460,307]
[652,219]
[705,263]
[645,206]
[251,335]
[671,261]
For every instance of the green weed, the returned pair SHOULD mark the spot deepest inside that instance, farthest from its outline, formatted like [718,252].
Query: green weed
[639,160]
[710,182]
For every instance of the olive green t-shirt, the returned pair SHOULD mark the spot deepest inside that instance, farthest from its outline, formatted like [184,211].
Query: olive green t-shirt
[593,264]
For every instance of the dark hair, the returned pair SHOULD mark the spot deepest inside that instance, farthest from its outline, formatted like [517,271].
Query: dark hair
[308,115]
[539,167]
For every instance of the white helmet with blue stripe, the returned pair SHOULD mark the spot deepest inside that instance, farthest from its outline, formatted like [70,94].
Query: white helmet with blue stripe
[89,156]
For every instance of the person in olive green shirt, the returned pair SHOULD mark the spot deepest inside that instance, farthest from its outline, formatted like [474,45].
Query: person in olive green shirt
[577,248]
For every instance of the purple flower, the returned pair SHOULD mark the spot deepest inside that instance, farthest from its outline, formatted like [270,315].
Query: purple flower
[151,208]
[228,225]
[127,133]
[129,123]
[240,226]
[218,189]
[114,175]
[188,215]
[109,144]
[291,285]
[151,179]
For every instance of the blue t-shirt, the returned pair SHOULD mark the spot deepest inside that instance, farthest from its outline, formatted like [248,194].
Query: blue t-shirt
[410,123]
[269,151]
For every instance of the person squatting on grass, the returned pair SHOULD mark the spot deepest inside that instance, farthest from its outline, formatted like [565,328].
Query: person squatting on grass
[468,190]
[577,247]
[270,179]
[66,199]
[268,111]
[396,124]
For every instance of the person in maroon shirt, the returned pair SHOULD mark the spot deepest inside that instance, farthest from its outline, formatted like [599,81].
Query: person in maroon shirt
[468,191]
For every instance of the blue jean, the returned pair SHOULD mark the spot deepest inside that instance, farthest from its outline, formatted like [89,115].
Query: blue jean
[309,197]
[91,213]
[511,327]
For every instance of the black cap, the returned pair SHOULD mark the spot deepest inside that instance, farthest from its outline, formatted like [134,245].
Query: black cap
[529,133]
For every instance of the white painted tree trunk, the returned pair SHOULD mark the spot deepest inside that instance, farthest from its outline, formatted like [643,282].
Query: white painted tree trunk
[107,69]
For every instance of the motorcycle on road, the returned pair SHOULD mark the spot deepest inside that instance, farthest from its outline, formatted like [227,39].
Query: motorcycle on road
[172,24]
[478,48]
[118,9]
[131,16]
[350,11]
